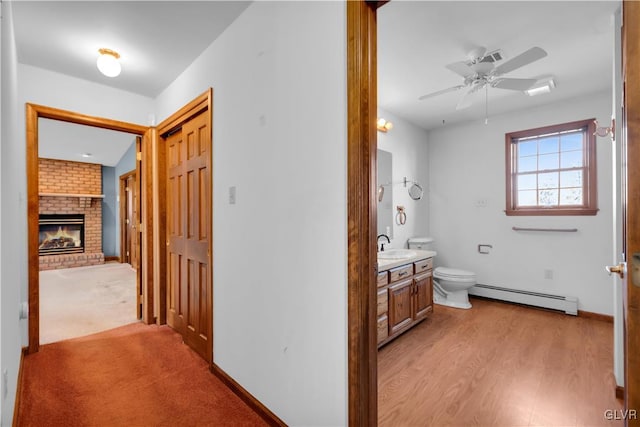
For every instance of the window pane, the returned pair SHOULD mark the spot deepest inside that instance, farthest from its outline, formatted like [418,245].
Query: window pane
[571,179]
[548,197]
[528,148]
[571,196]
[571,159]
[527,182]
[548,180]
[572,141]
[527,198]
[548,161]
[527,164]
[548,145]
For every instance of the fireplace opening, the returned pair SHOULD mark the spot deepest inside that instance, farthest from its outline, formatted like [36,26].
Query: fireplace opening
[61,234]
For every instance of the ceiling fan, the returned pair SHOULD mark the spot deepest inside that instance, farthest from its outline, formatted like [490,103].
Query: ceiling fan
[480,71]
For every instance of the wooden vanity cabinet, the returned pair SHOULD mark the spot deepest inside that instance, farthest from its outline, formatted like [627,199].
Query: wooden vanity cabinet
[405,297]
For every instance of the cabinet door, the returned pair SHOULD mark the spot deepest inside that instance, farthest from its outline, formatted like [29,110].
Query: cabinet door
[400,310]
[423,295]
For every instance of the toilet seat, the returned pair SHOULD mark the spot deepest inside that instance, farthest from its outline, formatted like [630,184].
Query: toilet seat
[453,274]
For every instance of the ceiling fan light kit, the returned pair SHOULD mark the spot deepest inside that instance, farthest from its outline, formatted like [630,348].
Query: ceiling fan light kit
[539,88]
[481,72]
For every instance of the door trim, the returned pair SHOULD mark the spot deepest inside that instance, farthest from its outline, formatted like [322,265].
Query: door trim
[33,113]
[631,130]
[362,212]
[202,103]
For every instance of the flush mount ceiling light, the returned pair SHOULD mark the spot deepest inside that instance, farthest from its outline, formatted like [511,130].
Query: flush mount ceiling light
[108,63]
[86,155]
[541,87]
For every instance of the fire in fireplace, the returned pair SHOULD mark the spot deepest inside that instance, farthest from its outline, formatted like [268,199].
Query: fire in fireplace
[61,234]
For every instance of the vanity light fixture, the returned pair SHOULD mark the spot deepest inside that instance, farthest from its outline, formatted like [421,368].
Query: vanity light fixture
[384,125]
[108,63]
[541,87]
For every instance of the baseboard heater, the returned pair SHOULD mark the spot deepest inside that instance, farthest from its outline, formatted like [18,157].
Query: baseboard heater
[555,302]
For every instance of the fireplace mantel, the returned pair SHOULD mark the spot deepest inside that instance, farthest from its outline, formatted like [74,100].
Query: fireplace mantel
[84,200]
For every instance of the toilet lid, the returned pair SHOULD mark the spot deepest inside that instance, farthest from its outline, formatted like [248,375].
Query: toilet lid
[452,272]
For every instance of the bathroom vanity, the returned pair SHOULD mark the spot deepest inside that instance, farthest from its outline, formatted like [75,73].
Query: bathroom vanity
[405,293]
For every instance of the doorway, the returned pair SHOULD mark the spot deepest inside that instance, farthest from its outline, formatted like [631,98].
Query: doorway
[361,82]
[34,113]
[129,240]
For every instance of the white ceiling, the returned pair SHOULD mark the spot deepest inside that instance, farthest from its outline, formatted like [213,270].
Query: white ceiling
[68,141]
[417,39]
[157,40]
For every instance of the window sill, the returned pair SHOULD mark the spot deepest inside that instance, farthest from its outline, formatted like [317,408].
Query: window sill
[552,212]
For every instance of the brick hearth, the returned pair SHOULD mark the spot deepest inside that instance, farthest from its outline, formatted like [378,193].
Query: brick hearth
[62,177]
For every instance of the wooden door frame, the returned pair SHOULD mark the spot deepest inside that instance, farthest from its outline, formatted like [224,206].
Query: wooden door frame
[362,212]
[123,194]
[33,113]
[631,130]
[202,103]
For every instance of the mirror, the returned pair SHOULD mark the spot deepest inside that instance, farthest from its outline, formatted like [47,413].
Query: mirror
[385,194]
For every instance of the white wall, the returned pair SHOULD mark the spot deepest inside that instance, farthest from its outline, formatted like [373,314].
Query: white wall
[467,168]
[279,77]
[407,144]
[44,87]
[12,220]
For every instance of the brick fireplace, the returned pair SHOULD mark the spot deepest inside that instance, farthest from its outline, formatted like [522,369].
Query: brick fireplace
[72,192]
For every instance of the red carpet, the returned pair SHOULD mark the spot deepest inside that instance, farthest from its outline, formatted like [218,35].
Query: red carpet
[136,375]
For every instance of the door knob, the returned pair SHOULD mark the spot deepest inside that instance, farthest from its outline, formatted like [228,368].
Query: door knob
[619,269]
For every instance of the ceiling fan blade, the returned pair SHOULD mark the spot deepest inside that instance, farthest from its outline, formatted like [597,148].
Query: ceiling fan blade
[440,92]
[461,68]
[514,84]
[527,57]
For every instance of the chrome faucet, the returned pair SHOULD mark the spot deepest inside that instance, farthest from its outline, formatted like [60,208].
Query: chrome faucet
[382,244]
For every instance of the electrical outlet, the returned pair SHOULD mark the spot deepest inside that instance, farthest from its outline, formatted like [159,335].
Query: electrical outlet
[481,203]
[548,274]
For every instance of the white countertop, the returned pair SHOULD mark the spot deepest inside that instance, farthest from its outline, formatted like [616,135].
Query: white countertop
[387,264]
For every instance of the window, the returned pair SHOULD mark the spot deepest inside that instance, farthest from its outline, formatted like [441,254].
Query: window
[552,170]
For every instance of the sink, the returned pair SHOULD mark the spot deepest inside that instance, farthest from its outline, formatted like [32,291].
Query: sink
[396,254]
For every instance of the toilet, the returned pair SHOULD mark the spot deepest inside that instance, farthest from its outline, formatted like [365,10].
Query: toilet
[450,285]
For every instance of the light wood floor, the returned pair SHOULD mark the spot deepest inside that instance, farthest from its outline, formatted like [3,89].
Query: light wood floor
[498,364]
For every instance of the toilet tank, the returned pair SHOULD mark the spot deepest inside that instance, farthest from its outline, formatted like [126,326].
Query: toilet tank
[422,243]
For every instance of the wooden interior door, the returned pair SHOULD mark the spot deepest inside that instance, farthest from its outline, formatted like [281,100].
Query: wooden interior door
[631,206]
[189,292]
[131,220]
